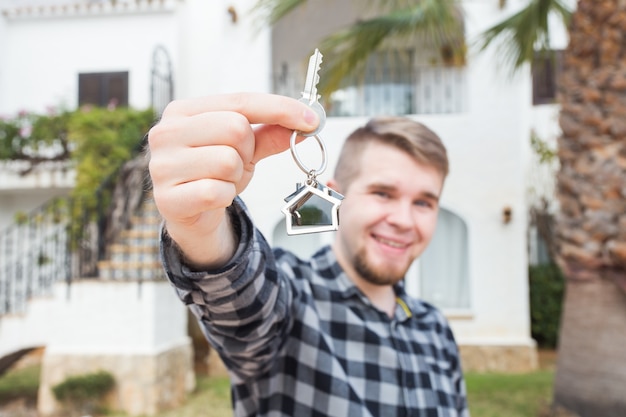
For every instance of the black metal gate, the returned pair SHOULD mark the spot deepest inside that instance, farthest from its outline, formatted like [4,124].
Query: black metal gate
[162,85]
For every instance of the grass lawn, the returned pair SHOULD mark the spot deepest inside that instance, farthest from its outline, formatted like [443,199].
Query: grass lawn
[20,384]
[509,395]
[489,395]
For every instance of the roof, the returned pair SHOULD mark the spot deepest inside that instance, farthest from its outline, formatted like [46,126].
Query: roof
[42,9]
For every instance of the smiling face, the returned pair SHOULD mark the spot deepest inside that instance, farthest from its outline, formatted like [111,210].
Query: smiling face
[388,216]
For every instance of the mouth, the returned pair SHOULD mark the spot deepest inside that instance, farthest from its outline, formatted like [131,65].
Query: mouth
[390,242]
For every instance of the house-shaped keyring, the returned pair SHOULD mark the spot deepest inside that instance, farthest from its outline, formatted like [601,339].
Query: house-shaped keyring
[312,209]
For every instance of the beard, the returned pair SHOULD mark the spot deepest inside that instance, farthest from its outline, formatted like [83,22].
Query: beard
[374,275]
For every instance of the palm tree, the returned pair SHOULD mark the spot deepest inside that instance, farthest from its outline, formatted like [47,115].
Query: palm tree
[591,182]
[437,24]
[591,188]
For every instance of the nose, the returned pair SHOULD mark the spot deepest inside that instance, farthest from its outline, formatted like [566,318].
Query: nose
[401,215]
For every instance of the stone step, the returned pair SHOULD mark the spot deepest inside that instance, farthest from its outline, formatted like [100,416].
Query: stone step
[151,221]
[148,210]
[121,248]
[148,237]
[130,270]
[137,253]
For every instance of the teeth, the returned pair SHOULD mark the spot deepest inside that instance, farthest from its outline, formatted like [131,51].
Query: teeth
[391,243]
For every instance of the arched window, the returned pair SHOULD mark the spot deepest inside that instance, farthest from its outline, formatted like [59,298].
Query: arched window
[302,245]
[441,275]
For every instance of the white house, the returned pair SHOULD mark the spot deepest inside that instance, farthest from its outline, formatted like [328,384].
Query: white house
[476,267]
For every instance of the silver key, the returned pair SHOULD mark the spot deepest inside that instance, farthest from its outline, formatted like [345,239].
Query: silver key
[313,207]
[309,95]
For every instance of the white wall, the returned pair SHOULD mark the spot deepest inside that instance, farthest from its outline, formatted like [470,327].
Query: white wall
[488,148]
[43,56]
[99,317]
[16,190]
[218,56]
[488,144]
[3,37]
[42,53]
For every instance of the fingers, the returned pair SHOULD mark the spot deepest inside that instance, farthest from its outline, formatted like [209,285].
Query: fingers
[227,119]
[270,140]
[257,108]
[185,203]
[203,151]
[201,132]
[183,165]
[189,180]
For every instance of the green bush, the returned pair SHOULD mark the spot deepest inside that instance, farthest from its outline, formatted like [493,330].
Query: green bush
[103,140]
[84,389]
[26,135]
[21,383]
[546,297]
[98,140]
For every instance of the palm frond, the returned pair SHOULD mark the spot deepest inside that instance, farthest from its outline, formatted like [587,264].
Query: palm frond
[431,23]
[271,11]
[525,31]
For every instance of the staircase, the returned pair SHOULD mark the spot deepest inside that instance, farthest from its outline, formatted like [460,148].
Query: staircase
[135,253]
[38,270]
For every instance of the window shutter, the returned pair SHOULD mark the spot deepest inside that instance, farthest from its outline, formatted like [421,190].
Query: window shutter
[102,89]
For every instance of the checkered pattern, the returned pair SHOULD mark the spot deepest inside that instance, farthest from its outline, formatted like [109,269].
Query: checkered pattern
[299,339]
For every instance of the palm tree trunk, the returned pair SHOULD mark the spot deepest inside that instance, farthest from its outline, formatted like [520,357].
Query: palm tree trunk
[590,375]
[591,226]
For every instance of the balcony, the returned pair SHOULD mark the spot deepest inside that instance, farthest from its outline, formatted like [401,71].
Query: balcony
[393,83]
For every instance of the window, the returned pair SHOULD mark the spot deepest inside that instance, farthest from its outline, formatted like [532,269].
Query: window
[399,82]
[546,67]
[385,87]
[103,89]
[302,245]
[441,275]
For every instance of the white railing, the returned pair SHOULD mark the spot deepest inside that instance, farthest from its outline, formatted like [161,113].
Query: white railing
[33,256]
[440,90]
[426,90]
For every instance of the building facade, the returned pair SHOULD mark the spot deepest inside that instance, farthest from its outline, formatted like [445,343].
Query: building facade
[66,54]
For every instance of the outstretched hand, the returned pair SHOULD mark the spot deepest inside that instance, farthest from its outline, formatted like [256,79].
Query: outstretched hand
[203,153]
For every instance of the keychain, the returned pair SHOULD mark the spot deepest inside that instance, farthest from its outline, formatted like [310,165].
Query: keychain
[313,207]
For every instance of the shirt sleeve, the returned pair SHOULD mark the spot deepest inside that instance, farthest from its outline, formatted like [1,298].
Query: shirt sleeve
[243,307]
[457,374]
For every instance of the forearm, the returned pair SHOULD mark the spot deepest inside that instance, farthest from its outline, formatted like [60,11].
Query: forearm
[242,306]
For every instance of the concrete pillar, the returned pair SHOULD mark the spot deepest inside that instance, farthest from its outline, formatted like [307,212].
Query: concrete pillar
[135,331]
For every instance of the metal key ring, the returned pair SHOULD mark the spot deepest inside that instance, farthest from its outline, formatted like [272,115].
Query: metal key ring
[292,147]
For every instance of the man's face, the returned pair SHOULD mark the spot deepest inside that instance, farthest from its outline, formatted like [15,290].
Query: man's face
[388,216]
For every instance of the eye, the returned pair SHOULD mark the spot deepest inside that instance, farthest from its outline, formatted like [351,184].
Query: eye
[424,203]
[381,194]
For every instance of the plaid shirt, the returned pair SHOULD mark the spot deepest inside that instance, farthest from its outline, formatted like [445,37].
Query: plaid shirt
[299,339]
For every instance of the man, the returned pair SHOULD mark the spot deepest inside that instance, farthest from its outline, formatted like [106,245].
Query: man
[335,335]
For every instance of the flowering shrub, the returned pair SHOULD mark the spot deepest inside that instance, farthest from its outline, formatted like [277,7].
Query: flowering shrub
[96,140]
[52,136]
[35,138]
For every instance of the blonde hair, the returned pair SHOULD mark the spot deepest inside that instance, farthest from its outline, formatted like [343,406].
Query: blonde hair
[411,137]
